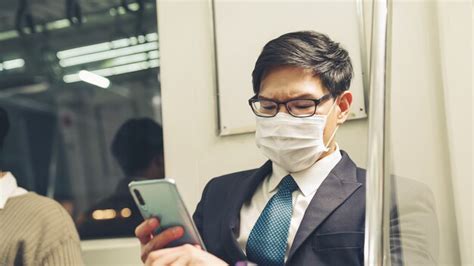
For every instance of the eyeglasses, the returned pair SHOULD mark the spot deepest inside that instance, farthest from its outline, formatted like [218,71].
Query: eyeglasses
[295,107]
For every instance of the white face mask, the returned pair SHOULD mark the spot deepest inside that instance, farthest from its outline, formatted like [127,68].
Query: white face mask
[293,143]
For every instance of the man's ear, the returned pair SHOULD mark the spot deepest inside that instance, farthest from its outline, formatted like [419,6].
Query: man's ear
[345,102]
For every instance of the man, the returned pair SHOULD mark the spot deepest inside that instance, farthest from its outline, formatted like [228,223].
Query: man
[138,148]
[34,230]
[306,205]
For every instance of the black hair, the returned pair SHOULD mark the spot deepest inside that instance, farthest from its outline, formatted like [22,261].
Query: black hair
[308,50]
[137,142]
[4,126]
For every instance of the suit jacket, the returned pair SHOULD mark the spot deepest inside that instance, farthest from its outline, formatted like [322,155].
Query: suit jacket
[332,229]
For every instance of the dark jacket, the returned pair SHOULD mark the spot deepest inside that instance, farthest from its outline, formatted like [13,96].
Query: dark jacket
[331,232]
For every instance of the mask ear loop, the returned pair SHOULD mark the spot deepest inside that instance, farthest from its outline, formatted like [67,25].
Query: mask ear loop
[335,130]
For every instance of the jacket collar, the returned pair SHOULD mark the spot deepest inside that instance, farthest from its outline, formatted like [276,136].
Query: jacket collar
[335,189]
[244,190]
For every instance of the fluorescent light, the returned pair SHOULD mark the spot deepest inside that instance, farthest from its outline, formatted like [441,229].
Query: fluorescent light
[70,78]
[133,6]
[123,60]
[121,10]
[120,43]
[11,64]
[117,70]
[154,63]
[106,46]
[133,40]
[78,60]
[29,89]
[84,50]
[123,69]
[153,54]
[156,100]
[94,79]
[93,48]
[58,24]
[152,37]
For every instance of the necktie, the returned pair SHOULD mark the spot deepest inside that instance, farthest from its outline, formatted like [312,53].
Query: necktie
[268,239]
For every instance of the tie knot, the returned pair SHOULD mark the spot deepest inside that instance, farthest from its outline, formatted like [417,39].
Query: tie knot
[288,184]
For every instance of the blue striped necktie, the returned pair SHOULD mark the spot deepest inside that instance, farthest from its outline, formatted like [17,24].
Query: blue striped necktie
[268,239]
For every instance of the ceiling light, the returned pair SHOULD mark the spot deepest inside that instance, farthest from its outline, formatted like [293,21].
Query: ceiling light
[134,6]
[11,64]
[29,89]
[128,59]
[106,46]
[121,10]
[112,71]
[93,48]
[152,37]
[15,63]
[117,70]
[120,43]
[94,79]
[84,59]
[99,47]
[58,24]
[123,60]
[153,54]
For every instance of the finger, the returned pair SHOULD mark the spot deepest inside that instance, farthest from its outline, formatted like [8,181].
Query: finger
[145,230]
[198,246]
[156,254]
[162,240]
[164,256]
[182,260]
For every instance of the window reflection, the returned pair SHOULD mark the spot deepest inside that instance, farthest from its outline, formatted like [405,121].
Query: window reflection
[417,223]
[138,148]
[84,101]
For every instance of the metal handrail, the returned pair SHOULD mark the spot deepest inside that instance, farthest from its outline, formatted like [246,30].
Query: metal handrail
[377,233]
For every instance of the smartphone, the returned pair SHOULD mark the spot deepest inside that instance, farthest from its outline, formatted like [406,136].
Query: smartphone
[160,198]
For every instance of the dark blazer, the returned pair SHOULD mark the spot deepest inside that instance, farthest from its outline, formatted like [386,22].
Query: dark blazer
[332,229]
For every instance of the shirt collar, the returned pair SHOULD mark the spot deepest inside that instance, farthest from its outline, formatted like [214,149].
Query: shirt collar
[310,179]
[8,189]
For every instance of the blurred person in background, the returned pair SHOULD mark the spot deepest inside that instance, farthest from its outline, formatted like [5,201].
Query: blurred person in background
[138,148]
[34,230]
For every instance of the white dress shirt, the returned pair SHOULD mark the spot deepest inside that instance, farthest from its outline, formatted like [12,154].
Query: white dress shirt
[308,182]
[9,189]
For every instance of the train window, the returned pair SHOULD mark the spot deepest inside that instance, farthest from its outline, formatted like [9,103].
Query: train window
[80,83]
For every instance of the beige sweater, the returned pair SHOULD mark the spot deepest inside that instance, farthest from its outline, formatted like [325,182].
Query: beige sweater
[35,230]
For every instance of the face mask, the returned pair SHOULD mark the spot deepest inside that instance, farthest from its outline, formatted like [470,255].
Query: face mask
[293,143]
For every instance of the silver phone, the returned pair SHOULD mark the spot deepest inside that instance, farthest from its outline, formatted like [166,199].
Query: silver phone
[160,198]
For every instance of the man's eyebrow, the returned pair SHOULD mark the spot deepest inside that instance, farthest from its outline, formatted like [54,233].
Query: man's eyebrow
[264,98]
[304,96]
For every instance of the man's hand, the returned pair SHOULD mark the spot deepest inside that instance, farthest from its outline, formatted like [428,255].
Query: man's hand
[183,255]
[149,243]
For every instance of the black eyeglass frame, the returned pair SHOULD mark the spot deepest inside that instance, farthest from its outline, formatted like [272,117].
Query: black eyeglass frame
[278,103]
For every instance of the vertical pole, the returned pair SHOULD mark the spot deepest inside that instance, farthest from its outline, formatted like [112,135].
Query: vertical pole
[377,233]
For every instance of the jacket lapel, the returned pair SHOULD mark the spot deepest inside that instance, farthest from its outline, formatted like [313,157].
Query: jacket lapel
[243,191]
[335,189]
